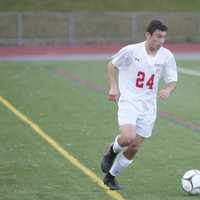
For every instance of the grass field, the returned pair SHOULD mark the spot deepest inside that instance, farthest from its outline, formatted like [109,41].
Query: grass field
[67,100]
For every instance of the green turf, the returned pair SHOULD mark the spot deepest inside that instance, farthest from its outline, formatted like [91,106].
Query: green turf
[83,122]
[30,169]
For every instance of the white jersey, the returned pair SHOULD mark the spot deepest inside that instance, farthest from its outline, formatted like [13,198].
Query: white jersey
[139,75]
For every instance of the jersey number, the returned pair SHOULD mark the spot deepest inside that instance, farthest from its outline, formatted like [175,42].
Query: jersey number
[140,80]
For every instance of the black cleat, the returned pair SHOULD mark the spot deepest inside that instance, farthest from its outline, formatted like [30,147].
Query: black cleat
[108,159]
[111,182]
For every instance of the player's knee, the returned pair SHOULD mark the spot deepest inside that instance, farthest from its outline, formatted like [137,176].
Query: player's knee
[134,147]
[126,140]
[127,136]
[131,151]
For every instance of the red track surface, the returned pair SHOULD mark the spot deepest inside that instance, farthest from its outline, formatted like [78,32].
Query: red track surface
[87,49]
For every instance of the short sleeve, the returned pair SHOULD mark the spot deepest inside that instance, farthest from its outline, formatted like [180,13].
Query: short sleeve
[123,58]
[170,70]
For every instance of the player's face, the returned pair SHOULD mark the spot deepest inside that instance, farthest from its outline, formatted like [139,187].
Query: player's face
[156,39]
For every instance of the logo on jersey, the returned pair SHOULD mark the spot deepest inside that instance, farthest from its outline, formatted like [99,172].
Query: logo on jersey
[137,59]
[158,67]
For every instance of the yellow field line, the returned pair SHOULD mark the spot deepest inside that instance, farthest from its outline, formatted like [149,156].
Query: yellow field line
[62,151]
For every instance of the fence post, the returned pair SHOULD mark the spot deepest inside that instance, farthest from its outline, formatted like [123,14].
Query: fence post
[19,39]
[134,27]
[71,28]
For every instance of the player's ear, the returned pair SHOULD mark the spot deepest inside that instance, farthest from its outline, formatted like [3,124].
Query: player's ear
[147,35]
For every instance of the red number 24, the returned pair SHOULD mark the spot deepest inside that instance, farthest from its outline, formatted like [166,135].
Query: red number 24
[140,80]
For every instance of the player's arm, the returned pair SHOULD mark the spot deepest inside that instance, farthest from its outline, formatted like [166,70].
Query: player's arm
[113,93]
[166,91]
[170,77]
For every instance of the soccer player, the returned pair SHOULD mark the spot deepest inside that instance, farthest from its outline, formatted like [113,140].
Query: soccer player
[134,73]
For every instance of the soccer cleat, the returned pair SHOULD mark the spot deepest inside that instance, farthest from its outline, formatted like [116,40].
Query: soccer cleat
[108,159]
[111,182]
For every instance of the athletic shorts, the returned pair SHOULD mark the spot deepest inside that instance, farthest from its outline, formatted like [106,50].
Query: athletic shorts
[128,113]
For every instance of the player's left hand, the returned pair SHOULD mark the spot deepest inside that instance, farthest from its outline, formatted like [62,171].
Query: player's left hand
[164,94]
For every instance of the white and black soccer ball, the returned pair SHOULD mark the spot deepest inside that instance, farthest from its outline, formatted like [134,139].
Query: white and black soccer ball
[191,182]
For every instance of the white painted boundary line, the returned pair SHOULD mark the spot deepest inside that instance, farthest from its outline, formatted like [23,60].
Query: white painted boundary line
[188,72]
[92,57]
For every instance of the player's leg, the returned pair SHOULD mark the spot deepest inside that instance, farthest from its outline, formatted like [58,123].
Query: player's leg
[144,130]
[133,142]
[127,118]
[123,140]
[125,158]
[110,155]
[127,115]
[122,161]
[133,148]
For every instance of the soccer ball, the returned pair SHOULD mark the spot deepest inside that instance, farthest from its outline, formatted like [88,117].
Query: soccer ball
[191,182]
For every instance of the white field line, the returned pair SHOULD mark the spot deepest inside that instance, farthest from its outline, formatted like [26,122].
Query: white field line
[189,72]
[87,57]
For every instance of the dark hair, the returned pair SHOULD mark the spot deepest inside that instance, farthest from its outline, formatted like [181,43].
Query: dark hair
[156,25]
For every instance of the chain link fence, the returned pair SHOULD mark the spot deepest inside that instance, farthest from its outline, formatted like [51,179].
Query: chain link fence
[73,28]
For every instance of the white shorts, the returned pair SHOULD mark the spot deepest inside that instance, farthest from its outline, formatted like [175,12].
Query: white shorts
[129,114]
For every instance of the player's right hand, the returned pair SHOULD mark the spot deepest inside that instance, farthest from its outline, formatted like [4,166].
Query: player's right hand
[113,95]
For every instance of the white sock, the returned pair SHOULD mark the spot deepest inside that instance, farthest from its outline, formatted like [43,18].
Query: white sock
[116,147]
[119,164]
